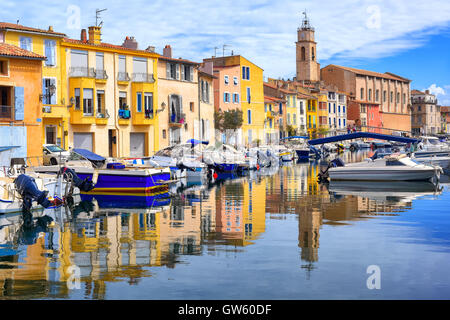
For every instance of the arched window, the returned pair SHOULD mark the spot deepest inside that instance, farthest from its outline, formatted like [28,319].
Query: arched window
[303,54]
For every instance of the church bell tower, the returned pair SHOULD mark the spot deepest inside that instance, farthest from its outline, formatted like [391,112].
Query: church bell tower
[308,69]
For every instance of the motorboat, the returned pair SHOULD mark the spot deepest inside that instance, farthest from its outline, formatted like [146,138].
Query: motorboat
[431,146]
[284,153]
[441,161]
[300,145]
[113,178]
[358,145]
[226,159]
[394,167]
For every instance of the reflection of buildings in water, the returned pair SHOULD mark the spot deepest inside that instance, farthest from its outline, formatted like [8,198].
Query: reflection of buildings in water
[240,212]
[107,245]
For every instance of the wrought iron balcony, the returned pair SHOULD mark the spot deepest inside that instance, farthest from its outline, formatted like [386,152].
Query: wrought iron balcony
[177,118]
[123,76]
[142,77]
[81,72]
[101,74]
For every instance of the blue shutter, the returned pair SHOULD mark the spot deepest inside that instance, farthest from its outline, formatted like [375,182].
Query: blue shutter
[243,73]
[248,73]
[19,103]
[139,102]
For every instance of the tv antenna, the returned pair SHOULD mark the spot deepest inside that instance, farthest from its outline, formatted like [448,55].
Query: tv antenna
[223,49]
[215,51]
[97,17]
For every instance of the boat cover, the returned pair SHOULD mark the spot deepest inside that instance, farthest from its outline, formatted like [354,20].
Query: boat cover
[89,155]
[195,142]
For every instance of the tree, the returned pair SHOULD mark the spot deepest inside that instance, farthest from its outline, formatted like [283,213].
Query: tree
[228,121]
[291,130]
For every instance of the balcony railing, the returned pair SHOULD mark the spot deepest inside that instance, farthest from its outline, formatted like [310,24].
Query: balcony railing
[177,118]
[6,112]
[101,74]
[142,77]
[423,100]
[81,72]
[123,76]
[102,114]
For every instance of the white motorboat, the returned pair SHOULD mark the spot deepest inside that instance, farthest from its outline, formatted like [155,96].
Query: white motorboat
[390,168]
[431,146]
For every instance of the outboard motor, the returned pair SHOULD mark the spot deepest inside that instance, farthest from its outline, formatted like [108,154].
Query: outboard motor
[85,185]
[323,175]
[27,188]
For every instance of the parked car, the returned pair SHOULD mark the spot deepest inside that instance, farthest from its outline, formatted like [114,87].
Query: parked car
[52,153]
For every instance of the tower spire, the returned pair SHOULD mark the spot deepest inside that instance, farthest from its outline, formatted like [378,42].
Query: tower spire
[305,22]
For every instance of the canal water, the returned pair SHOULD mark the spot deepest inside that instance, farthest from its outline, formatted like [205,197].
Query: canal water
[272,235]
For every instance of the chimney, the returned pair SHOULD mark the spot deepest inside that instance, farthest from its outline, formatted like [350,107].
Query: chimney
[50,28]
[427,91]
[95,35]
[167,51]
[130,43]
[150,49]
[83,35]
[207,67]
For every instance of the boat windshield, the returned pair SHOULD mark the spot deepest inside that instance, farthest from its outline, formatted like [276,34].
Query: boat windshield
[75,156]
[55,148]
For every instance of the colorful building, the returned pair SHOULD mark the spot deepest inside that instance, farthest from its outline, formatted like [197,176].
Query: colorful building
[20,103]
[251,95]
[204,129]
[178,92]
[425,113]
[45,43]
[272,120]
[322,112]
[111,91]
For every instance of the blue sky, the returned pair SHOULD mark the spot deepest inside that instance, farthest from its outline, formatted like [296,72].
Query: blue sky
[407,37]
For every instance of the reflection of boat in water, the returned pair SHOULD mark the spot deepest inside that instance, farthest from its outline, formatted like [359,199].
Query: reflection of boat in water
[137,201]
[380,190]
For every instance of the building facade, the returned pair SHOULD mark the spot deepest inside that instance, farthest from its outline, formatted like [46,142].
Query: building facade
[178,92]
[425,113]
[20,104]
[45,43]
[111,91]
[390,92]
[251,96]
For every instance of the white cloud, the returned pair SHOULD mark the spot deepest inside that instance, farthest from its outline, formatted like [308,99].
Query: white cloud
[263,31]
[434,89]
[442,93]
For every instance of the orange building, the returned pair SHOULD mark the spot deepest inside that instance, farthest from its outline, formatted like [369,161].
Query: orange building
[20,101]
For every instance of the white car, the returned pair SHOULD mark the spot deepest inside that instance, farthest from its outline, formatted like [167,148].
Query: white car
[52,154]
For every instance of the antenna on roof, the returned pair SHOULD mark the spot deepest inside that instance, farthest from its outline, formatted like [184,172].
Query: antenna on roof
[97,17]
[17,21]
[215,51]
[223,49]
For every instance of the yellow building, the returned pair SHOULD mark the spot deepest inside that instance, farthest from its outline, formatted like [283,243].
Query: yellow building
[46,43]
[312,116]
[322,112]
[291,111]
[111,91]
[251,97]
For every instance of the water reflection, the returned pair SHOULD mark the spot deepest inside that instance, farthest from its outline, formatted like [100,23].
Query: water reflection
[125,245]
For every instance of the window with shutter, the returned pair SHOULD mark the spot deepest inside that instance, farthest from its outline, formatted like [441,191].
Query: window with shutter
[182,67]
[191,73]
[50,52]
[168,70]
[178,71]
[19,96]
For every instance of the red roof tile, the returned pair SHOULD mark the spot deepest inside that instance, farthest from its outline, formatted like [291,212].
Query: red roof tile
[105,45]
[9,50]
[386,75]
[18,27]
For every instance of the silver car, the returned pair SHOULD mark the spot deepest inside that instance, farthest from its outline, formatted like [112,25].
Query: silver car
[53,153]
